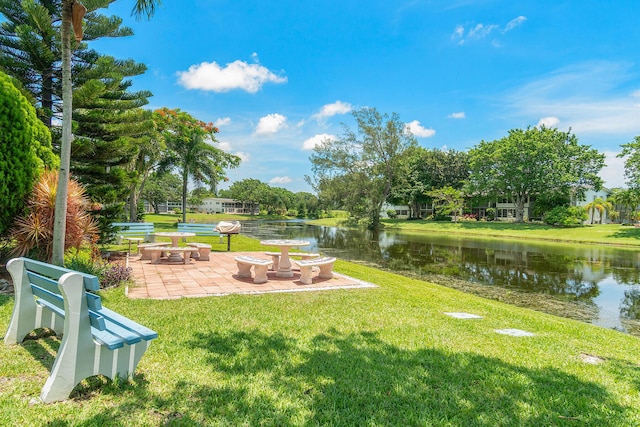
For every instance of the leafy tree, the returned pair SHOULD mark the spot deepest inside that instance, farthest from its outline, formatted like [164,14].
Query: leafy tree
[533,162]
[599,205]
[190,149]
[448,200]
[26,150]
[161,188]
[359,168]
[112,131]
[424,170]
[631,154]
[249,191]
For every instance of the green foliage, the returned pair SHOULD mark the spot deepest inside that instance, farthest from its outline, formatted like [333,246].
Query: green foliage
[533,162]
[490,214]
[448,200]
[110,274]
[391,213]
[26,151]
[631,154]
[566,216]
[160,188]
[356,171]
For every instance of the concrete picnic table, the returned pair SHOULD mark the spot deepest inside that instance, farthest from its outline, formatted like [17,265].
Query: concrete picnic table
[284,267]
[175,237]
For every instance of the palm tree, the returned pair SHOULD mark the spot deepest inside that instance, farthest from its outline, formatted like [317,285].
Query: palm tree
[599,205]
[74,11]
[190,149]
[629,199]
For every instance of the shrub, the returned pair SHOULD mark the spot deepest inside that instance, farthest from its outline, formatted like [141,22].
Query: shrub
[490,214]
[114,275]
[33,232]
[566,216]
[391,213]
[26,151]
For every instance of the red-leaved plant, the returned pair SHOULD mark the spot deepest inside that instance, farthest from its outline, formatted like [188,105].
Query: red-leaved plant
[33,233]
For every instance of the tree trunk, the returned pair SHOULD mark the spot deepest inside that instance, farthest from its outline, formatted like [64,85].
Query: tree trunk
[60,217]
[519,209]
[133,203]
[185,179]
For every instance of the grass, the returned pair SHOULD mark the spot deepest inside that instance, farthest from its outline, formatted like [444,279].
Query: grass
[383,356]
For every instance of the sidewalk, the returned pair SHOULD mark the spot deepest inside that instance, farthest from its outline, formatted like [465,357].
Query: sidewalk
[218,277]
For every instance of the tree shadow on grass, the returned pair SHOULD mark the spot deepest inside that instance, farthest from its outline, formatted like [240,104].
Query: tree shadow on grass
[627,233]
[359,379]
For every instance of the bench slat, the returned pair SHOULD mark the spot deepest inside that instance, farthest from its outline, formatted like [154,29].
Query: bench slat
[55,303]
[144,332]
[199,229]
[91,282]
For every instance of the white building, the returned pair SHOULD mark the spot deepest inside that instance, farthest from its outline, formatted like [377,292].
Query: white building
[230,206]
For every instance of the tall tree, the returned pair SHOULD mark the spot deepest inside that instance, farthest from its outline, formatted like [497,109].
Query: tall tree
[362,164]
[532,162]
[631,154]
[248,191]
[426,170]
[190,149]
[141,7]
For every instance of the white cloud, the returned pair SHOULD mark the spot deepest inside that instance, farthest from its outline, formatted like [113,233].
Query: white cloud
[331,110]
[224,146]
[235,75]
[480,31]
[418,130]
[280,180]
[271,124]
[244,157]
[514,23]
[458,115]
[223,121]
[316,140]
[585,96]
[612,174]
[548,122]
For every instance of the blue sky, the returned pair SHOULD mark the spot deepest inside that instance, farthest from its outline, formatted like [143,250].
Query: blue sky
[277,77]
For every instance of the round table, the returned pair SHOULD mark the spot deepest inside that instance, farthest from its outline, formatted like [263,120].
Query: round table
[284,267]
[175,236]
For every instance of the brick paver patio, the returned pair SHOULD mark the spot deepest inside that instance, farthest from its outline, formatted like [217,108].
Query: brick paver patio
[217,277]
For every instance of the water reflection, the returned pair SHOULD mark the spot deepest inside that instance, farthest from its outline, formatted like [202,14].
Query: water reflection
[606,280]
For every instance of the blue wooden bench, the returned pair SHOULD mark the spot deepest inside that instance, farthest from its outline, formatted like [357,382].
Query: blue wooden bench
[198,229]
[95,340]
[134,229]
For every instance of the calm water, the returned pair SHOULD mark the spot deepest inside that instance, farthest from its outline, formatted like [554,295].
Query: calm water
[604,280]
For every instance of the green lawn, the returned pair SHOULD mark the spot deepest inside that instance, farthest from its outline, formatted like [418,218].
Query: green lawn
[383,356]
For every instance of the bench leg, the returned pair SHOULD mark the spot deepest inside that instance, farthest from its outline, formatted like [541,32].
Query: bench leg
[326,271]
[203,254]
[305,274]
[261,274]
[186,257]
[244,270]
[276,261]
[155,257]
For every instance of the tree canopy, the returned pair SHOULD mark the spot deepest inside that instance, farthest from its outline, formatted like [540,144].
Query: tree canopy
[533,162]
[357,170]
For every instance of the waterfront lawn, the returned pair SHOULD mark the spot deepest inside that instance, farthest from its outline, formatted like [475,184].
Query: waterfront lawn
[382,356]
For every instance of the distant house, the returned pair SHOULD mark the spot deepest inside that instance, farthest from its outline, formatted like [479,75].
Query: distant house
[504,208]
[231,206]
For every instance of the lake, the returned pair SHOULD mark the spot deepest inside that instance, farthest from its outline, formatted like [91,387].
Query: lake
[595,284]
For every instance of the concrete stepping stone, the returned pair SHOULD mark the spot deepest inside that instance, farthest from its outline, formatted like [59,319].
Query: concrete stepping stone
[515,332]
[461,315]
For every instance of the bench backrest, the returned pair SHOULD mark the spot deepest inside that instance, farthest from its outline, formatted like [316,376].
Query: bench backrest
[199,229]
[107,327]
[134,228]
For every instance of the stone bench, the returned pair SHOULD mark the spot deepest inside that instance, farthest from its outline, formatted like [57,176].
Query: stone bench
[275,256]
[173,253]
[95,340]
[306,267]
[245,262]
[202,250]
[145,255]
